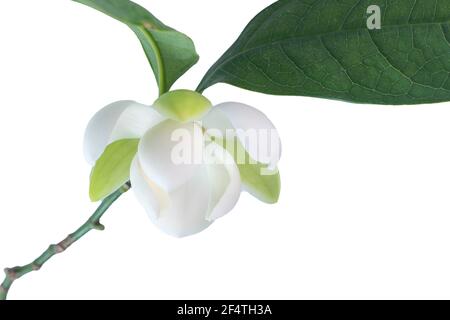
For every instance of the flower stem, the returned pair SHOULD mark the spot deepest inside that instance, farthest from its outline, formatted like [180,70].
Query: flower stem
[93,223]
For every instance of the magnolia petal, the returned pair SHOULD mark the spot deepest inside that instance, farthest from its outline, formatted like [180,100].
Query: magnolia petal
[225,181]
[98,131]
[255,131]
[135,121]
[185,214]
[147,193]
[119,120]
[178,213]
[170,153]
[183,105]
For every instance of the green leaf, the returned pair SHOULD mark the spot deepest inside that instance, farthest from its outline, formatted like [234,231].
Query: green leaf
[183,105]
[323,48]
[169,52]
[112,169]
[256,178]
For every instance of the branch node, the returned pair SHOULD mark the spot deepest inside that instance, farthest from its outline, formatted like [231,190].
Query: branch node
[36,267]
[56,248]
[11,273]
[126,186]
[98,226]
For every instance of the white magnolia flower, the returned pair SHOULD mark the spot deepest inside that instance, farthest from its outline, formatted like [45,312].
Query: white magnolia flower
[184,198]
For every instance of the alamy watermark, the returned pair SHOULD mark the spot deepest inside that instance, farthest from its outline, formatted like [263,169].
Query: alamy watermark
[200,145]
[374,19]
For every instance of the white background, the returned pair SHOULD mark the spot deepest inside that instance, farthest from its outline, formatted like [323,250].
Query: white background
[364,210]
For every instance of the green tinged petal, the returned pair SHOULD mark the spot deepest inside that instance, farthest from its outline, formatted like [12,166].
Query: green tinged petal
[260,182]
[182,105]
[112,169]
[257,179]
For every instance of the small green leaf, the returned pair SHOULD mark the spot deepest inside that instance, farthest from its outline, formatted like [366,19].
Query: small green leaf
[112,169]
[182,105]
[169,52]
[257,179]
[325,49]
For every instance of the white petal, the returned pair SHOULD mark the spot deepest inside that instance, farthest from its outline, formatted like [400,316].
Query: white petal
[180,212]
[185,214]
[120,120]
[170,153]
[135,121]
[255,131]
[98,131]
[147,193]
[225,181]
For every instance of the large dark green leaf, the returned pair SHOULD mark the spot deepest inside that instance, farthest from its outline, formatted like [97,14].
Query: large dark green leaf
[169,52]
[323,48]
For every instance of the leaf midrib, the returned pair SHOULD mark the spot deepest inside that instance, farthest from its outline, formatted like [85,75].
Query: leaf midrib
[318,35]
[159,62]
